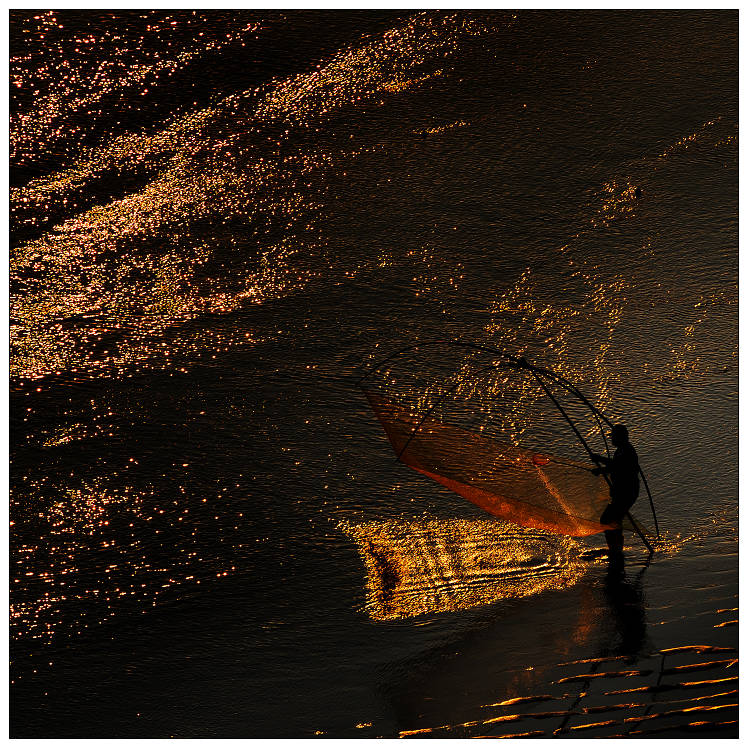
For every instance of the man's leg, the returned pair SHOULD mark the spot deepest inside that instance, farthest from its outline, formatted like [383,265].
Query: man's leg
[614,539]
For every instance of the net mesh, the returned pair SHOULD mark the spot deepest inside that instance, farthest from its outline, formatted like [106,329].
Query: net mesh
[523,486]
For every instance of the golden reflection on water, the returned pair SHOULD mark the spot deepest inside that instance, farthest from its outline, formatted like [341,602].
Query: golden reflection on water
[594,305]
[100,287]
[596,300]
[696,353]
[619,197]
[431,566]
[97,554]
[445,128]
[384,65]
[75,78]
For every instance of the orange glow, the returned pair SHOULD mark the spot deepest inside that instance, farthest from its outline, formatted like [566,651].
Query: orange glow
[502,479]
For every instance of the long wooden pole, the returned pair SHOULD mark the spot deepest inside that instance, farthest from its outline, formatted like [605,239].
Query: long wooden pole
[587,447]
[519,363]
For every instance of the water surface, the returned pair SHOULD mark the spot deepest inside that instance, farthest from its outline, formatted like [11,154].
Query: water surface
[218,220]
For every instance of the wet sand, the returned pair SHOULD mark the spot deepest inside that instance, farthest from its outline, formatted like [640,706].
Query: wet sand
[675,692]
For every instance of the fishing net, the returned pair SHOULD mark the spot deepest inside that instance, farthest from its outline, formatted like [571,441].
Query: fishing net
[508,437]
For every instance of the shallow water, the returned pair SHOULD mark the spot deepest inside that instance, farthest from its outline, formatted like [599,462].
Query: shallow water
[218,220]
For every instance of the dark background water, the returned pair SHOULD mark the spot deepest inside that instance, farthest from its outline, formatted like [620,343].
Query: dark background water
[217,219]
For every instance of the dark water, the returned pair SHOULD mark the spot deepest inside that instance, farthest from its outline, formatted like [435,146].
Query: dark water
[217,219]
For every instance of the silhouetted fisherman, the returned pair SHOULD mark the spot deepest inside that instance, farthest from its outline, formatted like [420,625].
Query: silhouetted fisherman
[623,472]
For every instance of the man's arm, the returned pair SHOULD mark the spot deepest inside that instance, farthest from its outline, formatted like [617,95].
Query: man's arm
[604,464]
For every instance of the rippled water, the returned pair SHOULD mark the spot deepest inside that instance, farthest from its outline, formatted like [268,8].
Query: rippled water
[218,219]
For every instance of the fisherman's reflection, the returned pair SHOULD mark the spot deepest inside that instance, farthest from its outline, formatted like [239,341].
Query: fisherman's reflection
[624,596]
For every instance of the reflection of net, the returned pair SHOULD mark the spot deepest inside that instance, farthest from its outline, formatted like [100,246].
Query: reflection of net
[429,566]
[515,484]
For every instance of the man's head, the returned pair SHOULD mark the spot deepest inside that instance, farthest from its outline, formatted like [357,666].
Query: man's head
[619,435]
